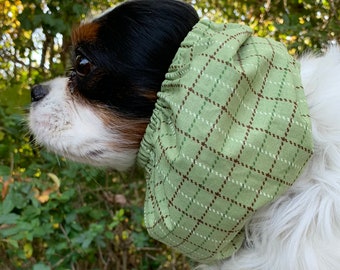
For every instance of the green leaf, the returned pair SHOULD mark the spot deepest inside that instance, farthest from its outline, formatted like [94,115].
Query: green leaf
[4,170]
[9,218]
[140,239]
[7,206]
[41,266]
[2,135]
[97,214]
[66,196]
[31,212]
[13,242]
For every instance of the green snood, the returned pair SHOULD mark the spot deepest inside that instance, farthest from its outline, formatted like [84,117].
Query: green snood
[229,134]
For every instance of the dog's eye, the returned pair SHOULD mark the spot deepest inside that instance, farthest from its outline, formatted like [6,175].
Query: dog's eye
[83,66]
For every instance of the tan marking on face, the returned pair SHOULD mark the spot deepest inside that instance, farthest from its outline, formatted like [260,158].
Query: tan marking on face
[85,33]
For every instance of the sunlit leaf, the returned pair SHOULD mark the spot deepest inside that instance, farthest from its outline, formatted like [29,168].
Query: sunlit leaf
[28,250]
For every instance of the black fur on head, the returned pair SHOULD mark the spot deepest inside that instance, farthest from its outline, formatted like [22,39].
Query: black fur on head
[121,58]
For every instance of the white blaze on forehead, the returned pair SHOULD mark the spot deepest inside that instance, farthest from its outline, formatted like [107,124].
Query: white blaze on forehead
[72,128]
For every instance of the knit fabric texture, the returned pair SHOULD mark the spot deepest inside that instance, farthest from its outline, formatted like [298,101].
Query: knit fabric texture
[230,132]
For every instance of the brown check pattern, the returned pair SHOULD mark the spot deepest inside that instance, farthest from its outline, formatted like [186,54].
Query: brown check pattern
[229,134]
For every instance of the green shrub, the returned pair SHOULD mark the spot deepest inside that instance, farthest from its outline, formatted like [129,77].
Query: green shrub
[56,214]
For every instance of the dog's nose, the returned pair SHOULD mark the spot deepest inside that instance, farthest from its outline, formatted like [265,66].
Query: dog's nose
[38,92]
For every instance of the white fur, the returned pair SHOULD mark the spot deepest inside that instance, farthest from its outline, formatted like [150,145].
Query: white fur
[74,129]
[301,230]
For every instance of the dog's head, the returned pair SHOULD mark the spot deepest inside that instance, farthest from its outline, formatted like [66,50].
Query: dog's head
[98,114]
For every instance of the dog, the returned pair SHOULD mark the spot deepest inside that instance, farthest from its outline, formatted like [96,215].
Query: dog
[108,112]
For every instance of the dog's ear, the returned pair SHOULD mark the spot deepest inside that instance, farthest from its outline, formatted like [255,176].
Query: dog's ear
[147,33]
[141,38]
[131,48]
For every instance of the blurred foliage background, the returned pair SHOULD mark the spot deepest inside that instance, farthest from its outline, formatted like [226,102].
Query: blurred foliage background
[56,214]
